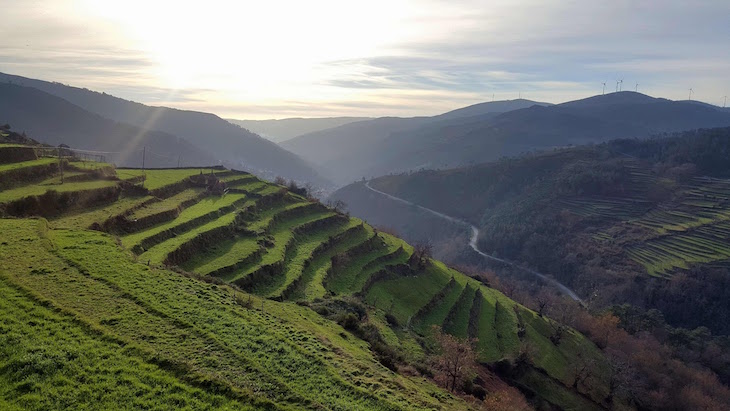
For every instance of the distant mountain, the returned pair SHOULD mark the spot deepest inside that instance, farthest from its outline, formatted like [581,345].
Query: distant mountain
[353,150]
[53,120]
[461,141]
[288,128]
[489,107]
[227,142]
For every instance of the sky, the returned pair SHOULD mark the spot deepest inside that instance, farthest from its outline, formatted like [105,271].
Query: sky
[315,58]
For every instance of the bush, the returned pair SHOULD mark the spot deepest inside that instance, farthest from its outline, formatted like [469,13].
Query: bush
[390,318]
[350,322]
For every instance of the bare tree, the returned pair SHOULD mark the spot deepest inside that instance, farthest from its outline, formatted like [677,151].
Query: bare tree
[338,206]
[457,360]
[422,253]
[583,368]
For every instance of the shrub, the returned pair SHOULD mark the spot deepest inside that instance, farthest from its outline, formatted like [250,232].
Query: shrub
[349,322]
[390,318]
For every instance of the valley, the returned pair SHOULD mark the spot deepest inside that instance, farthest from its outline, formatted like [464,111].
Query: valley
[210,277]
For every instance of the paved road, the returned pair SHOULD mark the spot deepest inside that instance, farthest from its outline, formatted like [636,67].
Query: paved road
[473,243]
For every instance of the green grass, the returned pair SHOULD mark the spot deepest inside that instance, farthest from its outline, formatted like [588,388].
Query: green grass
[352,277]
[265,217]
[403,297]
[506,328]
[312,287]
[457,321]
[261,357]
[52,184]
[303,250]
[50,361]
[158,253]
[163,177]
[276,354]
[488,344]
[91,165]
[85,218]
[201,208]
[23,164]
[437,314]
[282,234]
[250,186]
[398,253]
[170,203]
[222,255]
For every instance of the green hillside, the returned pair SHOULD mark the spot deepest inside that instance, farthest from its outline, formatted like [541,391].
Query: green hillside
[617,221]
[208,288]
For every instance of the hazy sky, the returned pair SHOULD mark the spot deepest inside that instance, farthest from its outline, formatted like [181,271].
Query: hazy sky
[275,59]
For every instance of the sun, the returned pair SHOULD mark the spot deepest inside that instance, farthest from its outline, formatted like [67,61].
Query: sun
[254,48]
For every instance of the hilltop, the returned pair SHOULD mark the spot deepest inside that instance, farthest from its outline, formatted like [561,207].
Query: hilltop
[351,151]
[60,122]
[284,129]
[236,292]
[208,133]
[469,136]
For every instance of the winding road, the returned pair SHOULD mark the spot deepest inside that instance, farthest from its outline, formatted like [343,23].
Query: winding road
[473,243]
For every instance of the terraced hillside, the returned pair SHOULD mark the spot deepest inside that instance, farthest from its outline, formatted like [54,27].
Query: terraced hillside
[607,220]
[201,288]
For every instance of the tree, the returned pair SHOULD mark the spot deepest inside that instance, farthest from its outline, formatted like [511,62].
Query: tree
[456,361]
[338,206]
[422,252]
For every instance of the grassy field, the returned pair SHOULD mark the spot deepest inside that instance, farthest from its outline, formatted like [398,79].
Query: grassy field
[171,203]
[25,164]
[203,207]
[207,341]
[157,253]
[85,218]
[261,358]
[155,179]
[55,185]
[222,255]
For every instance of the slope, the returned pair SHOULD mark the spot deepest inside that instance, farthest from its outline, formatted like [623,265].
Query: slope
[58,121]
[596,119]
[225,141]
[602,219]
[268,353]
[284,129]
[462,141]
[348,152]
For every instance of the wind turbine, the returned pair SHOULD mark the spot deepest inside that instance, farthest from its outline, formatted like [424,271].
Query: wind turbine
[617,86]
[621,85]
[637,88]
[690,94]
[725,103]
[604,88]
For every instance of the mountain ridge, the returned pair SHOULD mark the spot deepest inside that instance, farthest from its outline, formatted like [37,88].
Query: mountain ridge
[230,143]
[449,143]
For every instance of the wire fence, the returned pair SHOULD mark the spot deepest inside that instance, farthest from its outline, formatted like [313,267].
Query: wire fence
[111,157]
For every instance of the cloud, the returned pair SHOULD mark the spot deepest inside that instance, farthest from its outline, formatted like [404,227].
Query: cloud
[406,59]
